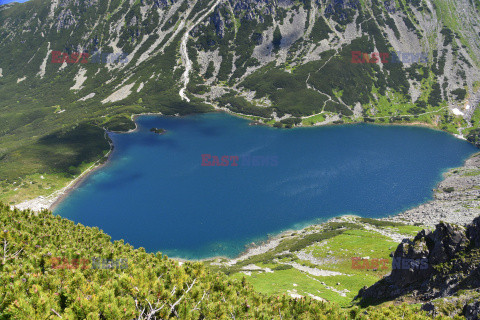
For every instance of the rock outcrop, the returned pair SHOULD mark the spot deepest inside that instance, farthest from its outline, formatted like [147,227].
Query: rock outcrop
[433,265]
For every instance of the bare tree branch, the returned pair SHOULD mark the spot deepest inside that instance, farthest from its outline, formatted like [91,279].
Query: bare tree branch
[149,314]
[56,313]
[172,306]
[5,251]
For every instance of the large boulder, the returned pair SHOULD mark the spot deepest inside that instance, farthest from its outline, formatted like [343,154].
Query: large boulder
[410,261]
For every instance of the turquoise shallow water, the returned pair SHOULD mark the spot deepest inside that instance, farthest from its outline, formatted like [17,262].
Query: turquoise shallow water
[155,193]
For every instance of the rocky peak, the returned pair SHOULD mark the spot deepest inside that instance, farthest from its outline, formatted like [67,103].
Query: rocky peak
[433,264]
[445,242]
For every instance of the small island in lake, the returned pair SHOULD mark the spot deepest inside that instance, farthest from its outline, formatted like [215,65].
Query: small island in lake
[158,130]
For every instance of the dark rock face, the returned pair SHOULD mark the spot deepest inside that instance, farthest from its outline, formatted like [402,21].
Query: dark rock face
[473,233]
[472,311]
[445,242]
[407,259]
[413,264]
[339,10]
[257,10]
[413,260]
[162,3]
[219,24]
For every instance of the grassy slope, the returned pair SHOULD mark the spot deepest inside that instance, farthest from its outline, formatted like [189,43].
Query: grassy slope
[332,245]
[337,243]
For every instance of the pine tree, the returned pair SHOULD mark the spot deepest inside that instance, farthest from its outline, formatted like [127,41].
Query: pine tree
[277,39]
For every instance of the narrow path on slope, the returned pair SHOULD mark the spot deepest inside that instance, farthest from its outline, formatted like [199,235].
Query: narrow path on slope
[183,52]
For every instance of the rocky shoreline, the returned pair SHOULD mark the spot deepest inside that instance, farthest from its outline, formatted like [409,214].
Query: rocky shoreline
[459,205]
[456,198]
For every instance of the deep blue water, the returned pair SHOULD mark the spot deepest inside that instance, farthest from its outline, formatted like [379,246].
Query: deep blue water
[154,192]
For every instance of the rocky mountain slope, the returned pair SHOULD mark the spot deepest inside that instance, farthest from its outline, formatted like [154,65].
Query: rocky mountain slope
[94,63]
[434,265]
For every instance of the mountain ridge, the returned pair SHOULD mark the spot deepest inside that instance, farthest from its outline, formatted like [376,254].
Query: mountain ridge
[282,63]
